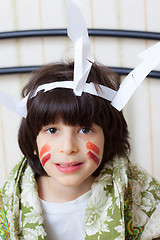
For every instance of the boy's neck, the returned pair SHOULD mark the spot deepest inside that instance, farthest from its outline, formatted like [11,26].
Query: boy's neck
[51,191]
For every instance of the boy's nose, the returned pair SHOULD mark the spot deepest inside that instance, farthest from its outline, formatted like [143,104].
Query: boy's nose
[69,146]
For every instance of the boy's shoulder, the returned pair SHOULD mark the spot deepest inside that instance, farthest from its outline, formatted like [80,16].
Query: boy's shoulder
[8,186]
[124,187]
[142,181]
[4,225]
[145,201]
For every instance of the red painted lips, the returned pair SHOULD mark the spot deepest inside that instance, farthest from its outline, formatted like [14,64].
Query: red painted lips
[68,167]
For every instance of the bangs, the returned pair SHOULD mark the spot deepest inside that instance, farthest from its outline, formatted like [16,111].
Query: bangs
[57,104]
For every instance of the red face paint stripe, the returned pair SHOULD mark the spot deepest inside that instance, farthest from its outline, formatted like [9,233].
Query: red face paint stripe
[93,147]
[44,149]
[93,157]
[45,159]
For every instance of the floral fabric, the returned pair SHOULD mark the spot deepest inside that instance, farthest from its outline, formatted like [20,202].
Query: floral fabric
[122,205]
[125,204]
[21,205]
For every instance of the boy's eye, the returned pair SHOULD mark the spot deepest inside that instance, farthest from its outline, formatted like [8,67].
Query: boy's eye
[52,130]
[85,130]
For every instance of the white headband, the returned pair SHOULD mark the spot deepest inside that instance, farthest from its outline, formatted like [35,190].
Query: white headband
[83,59]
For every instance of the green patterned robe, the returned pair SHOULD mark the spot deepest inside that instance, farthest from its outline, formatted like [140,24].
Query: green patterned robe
[124,204]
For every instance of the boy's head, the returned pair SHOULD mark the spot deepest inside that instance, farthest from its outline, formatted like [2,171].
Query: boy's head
[46,108]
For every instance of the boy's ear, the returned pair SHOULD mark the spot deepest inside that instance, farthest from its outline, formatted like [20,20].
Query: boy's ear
[36,153]
[36,150]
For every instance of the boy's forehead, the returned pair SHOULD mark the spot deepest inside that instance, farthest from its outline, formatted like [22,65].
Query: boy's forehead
[62,121]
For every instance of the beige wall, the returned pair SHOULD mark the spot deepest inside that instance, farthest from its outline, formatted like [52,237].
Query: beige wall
[142,112]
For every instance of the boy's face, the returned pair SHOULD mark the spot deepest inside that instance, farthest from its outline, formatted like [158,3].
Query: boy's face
[70,154]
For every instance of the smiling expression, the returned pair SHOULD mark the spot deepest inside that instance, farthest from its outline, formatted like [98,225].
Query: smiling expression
[70,154]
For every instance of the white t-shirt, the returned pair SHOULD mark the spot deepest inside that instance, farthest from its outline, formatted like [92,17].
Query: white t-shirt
[65,220]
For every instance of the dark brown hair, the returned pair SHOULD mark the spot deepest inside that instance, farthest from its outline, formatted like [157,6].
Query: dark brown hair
[45,108]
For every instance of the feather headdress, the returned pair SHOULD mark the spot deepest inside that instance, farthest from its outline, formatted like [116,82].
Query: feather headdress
[83,59]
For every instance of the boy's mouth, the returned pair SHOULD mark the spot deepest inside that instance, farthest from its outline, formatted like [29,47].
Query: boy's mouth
[69,167]
[70,164]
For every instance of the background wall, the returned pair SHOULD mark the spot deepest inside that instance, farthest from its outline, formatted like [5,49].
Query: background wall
[142,112]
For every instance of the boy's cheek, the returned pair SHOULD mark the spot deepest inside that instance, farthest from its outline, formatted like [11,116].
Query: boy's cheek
[93,157]
[44,154]
[91,146]
[44,149]
[93,153]
[45,159]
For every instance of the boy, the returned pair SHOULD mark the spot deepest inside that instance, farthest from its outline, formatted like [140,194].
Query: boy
[76,181]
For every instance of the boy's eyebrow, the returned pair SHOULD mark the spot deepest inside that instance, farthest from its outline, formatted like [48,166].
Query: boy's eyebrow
[48,125]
